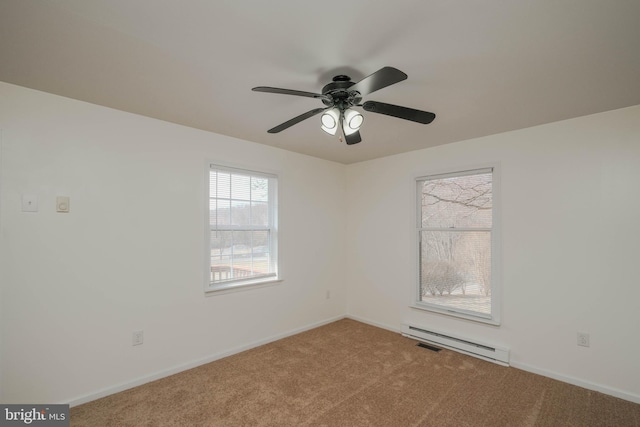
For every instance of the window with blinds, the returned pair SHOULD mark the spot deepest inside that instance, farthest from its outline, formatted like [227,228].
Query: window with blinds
[242,227]
[456,243]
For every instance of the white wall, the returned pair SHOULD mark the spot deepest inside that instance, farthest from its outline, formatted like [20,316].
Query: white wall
[570,241]
[130,255]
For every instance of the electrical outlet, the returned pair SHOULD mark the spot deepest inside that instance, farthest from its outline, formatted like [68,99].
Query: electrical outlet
[138,338]
[328,295]
[583,339]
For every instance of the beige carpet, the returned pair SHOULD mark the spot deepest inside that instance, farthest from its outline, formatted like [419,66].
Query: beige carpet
[351,374]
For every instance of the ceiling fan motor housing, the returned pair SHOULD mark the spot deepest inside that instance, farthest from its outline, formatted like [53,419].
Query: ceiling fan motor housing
[339,93]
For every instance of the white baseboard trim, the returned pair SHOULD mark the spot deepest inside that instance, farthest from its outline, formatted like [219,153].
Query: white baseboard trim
[373,323]
[578,382]
[183,367]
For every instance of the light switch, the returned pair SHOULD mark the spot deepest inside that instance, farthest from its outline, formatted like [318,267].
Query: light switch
[62,204]
[29,203]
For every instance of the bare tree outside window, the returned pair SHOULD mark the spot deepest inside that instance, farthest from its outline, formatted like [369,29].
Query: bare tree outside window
[456,214]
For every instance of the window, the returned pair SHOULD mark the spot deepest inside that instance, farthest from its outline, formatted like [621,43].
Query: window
[242,225]
[457,248]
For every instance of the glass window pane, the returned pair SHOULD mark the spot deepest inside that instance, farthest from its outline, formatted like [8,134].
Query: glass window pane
[260,252]
[260,214]
[240,187]
[241,243]
[260,241]
[457,202]
[259,189]
[221,242]
[222,213]
[240,213]
[220,269]
[223,187]
[242,268]
[213,213]
[455,269]
[220,255]
[213,184]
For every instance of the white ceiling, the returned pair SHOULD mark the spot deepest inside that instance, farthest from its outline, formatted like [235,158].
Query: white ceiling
[483,67]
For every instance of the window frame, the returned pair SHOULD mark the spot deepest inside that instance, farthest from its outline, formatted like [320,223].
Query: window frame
[495,317]
[256,281]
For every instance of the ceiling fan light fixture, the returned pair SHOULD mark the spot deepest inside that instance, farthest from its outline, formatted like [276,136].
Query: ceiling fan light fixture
[341,95]
[329,121]
[352,121]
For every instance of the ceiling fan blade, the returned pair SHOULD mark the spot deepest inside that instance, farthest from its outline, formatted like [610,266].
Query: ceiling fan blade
[354,138]
[380,79]
[419,116]
[296,120]
[289,92]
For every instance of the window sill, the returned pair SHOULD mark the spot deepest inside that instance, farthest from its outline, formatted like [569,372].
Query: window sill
[243,286]
[454,313]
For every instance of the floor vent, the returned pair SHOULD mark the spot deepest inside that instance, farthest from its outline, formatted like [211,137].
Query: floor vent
[428,347]
[483,351]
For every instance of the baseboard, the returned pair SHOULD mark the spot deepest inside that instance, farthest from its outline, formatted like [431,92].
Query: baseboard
[193,364]
[373,323]
[577,382]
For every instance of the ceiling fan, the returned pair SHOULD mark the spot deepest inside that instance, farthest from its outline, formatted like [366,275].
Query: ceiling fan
[339,98]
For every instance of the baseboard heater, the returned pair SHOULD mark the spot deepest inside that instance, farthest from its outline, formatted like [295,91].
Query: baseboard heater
[472,348]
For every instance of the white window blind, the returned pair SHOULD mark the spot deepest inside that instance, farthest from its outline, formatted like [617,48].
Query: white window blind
[242,227]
